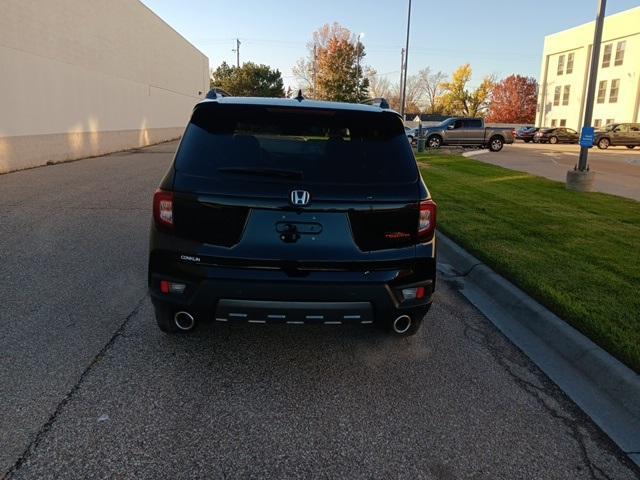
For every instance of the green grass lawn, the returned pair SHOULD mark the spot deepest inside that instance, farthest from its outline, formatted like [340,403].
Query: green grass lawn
[577,253]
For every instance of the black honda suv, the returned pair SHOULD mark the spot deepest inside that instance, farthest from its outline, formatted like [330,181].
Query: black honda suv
[292,211]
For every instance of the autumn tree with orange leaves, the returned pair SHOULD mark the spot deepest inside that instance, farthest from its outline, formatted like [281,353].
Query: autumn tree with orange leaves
[514,100]
[333,69]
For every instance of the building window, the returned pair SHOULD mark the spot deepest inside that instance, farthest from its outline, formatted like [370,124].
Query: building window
[563,122]
[565,95]
[553,122]
[560,64]
[569,63]
[602,91]
[606,57]
[609,121]
[597,123]
[620,52]
[556,96]
[613,93]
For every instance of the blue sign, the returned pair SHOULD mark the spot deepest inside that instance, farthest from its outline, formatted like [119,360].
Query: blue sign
[587,137]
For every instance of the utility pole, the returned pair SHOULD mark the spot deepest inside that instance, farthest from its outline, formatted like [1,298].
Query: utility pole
[406,61]
[581,178]
[237,50]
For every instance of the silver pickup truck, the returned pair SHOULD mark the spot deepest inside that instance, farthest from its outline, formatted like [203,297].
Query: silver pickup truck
[467,131]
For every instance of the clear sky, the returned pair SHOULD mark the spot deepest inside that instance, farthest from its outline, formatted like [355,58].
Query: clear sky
[497,37]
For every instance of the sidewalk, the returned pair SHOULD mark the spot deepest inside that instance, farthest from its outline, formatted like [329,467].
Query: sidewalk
[617,169]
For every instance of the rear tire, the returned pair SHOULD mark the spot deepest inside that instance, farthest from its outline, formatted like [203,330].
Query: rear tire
[527,140]
[603,143]
[434,141]
[496,144]
[164,319]
[631,147]
[553,140]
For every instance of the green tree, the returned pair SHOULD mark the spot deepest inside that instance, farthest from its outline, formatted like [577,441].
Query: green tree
[333,69]
[458,99]
[250,80]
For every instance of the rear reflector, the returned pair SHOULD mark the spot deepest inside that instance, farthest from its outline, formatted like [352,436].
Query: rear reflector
[163,208]
[171,287]
[427,220]
[413,293]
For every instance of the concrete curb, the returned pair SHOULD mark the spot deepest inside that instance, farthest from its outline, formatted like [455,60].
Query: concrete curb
[475,153]
[603,387]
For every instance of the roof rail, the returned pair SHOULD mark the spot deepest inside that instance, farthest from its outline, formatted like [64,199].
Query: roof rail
[377,102]
[217,92]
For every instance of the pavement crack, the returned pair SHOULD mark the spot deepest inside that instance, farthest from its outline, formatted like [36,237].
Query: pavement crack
[46,427]
[451,275]
[540,393]
[465,274]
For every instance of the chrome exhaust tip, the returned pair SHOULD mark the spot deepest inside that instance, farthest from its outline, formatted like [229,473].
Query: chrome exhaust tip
[184,320]
[402,324]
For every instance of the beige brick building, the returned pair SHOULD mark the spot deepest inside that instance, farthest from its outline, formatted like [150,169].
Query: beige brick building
[565,71]
[84,78]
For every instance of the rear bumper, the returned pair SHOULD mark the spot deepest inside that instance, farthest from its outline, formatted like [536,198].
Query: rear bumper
[257,295]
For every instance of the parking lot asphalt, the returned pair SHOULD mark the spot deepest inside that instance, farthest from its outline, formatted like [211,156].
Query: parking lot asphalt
[91,388]
[617,168]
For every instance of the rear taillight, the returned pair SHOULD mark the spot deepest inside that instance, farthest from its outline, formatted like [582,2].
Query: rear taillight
[427,220]
[163,208]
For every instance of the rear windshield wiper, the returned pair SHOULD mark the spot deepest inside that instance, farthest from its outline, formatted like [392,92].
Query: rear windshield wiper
[264,172]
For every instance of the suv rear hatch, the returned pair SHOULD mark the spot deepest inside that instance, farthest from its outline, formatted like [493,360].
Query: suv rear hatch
[241,168]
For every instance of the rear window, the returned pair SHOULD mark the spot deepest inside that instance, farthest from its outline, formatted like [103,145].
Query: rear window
[473,123]
[312,145]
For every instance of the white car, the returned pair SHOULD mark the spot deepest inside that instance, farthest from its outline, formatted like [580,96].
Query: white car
[411,133]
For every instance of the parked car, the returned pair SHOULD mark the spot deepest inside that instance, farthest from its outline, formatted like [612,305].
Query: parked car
[411,135]
[292,211]
[526,134]
[468,131]
[556,135]
[616,134]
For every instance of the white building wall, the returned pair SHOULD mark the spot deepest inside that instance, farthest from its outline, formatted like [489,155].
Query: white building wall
[623,26]
[87,77]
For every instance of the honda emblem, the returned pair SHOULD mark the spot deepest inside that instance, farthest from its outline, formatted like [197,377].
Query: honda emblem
[300,197]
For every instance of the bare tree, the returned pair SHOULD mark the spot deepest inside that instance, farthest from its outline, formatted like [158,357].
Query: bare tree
[379,86]
[432,84]
[303,71]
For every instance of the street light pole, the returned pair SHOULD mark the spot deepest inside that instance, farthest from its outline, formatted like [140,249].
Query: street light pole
[401,76]
[593,74]
[406,62]
[360,35]
[581,179]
